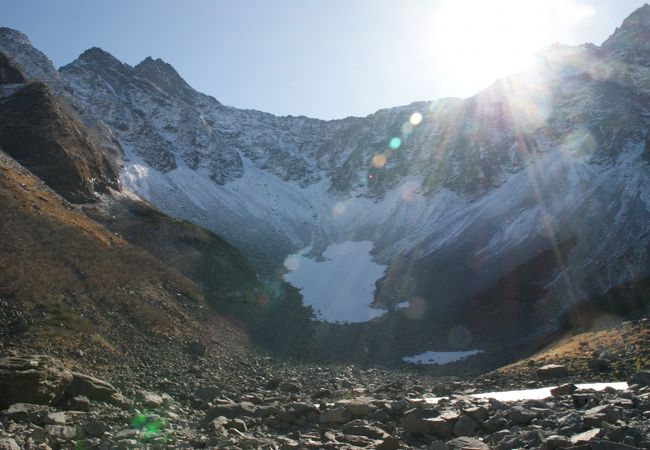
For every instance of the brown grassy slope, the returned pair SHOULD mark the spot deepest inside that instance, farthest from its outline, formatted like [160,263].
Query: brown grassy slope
[625,344]
[223,274]
[71,284]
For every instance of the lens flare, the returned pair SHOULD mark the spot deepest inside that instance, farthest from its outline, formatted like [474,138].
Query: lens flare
[407,128]
[291,263]
[379,160]
[338,209]
[395,143]
[415,119]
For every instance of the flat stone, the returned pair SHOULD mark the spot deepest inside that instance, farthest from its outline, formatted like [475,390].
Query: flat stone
[54,418]
[78,403]
[466,443]
[92,388]
[369,431]
[587,436]
[520,415]
[556,441]
[151,399]
[25,412]
[61,432]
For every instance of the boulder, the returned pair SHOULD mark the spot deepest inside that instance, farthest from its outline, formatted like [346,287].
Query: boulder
[78,403]
[8,444]
[360,428]
[556,441]
[335,416]
[61,432]
[642,378]
[465,426]
[35,379]
[594,417]
[463,443]
[151,399]
[25,412]
[93,388]
[207,393]
[552,371]
[565,389]
[599,365]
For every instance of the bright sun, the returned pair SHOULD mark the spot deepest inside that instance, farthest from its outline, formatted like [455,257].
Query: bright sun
[476,41]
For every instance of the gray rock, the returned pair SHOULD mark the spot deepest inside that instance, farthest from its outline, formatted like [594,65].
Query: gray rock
[359,407]
[8,444]
[92,388]
[95,428]
[54,418]
[594,417]
[587,436]
[32,379]
[599,365]
[237,424]
[289,386]
[129,433]
[417,420]
[565,389]
[25,412]
[61,432]
[207,393]
[555,441]
[231,410]
[335,416]
[642,378]
[465,443]
[520,415]
[495,423]
[358,428]
[465,426]
[390,443]
[552,371]
[625,433]
[78,403]
[151,399]
[478,414]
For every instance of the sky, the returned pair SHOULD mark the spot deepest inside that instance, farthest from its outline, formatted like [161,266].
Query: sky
[320,58]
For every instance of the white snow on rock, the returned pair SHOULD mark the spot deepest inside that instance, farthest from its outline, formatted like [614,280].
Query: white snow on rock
[341,287]
[534,394]
[431,357]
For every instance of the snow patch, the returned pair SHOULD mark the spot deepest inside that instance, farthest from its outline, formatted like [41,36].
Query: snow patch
[432,357]
[341,287]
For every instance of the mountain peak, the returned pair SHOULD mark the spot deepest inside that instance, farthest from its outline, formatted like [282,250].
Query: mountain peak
[163,75]
[96,55]
[631,41]
[9,34]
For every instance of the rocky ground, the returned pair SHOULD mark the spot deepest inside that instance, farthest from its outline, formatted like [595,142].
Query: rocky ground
[255,401]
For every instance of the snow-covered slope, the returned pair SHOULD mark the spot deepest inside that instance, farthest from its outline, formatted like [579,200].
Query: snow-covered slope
[455,194]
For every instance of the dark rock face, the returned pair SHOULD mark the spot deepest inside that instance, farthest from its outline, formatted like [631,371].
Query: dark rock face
[37,131]
[9,74]
[43,380]
[35,379]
